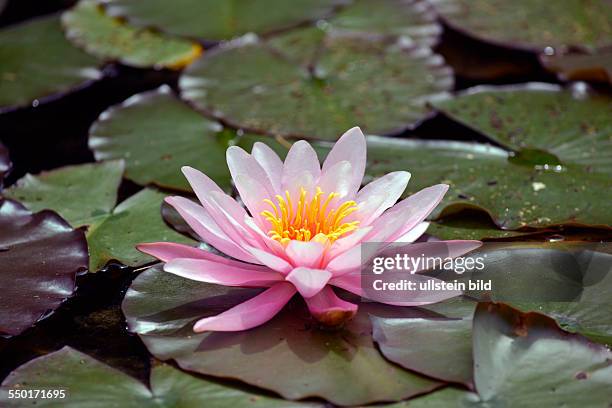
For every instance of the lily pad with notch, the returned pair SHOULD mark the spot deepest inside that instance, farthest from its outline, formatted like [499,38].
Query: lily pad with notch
[343,367]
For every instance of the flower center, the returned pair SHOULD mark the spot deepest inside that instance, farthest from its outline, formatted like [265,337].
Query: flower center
[310,218]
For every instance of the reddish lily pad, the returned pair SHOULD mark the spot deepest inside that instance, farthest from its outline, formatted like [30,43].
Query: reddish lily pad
[532,25]
[220,20]
[111,39]
[596,67]
[38,63]
[40,256]
[439,348]
[288,355]
[91,383]
[282,87]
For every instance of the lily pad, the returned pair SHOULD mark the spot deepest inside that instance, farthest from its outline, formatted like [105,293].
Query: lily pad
[543,125]
[469,224]
[69,191]
[91,383]
[439,348]
[341,366]
[220,20]
[38,63]
[135,220]
[111,39]
[5,163]
[524,360]
[530,24]
[157,134]
[570,282]
[282,87]
[40,256]
[415,20]
[596,67]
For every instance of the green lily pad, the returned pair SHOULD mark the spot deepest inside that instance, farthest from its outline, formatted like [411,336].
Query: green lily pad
[596,67]
[38,63]
[288,355]
[135,220]
[283,87]
[415,20]
[531,24]
[69,191]
[215,20]
[90,383]
[40,256]
[570,282]
[157,134]
[439,348]
[469,225]
[110,39]
[542,124]
[524,360]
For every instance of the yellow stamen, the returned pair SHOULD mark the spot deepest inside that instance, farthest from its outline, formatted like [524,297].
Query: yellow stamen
[309,219]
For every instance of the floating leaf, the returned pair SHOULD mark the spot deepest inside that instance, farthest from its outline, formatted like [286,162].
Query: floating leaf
[5,163]
[524,360]
[70,192]
[415,20]
[531,24]
[135,220]
[215,20]
[283,87]
[40,255]
[38,63]
[439,348]
[157,134]
[570,282]
[288,355]
[469,225]
[111,39]
[91,383]
[542,124]
[595,67]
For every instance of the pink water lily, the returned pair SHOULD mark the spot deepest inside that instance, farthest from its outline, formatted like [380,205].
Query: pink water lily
[300,232]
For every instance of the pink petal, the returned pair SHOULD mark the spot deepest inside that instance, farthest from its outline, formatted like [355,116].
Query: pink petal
[380,195]
[407,214]
[204,270]
[337,179]
[350,282]
[301,166]
[167,251]
[307,254]
[201,184]
[249,314]
[270,260]
[346,262]
[346,243]
[307,281]
[250,179]
[329,309]
[414,233]
[206,227]
[350,147]
[270,163]
[231,218]
[276,247]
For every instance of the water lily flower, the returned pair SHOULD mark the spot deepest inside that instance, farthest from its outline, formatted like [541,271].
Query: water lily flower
[300,232]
